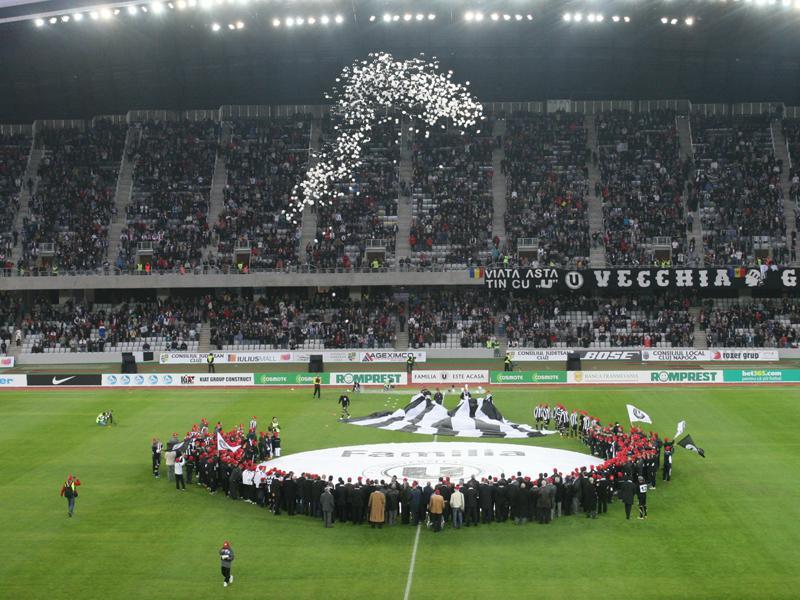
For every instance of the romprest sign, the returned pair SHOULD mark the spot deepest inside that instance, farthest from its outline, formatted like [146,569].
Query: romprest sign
[450,377]
[423,462]
[348,379]
[586,281]
[232,357]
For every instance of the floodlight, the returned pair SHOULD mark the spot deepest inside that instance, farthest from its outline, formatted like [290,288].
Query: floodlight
[664,20]
[132,10]
[518,17]
[65,18]
[615,18]
[689,21]
[239,24]
[479,16]
[407,17]
[600,18]
[387,18]
[339,19]
[276,22]
[590,17]
[289,21]
[506,17]
[215,27]
[231,26]
[77,17]
[431,16]
[94,15]
[324,19]
[469,16]
[181,4]
[157,7]
[673,21]
[105,13]
[311,20]
[299,21]
[626,19]
[495,16]
[419,16]
[578,17]
[529,17]
[372,18]
[39,22]
[567,17]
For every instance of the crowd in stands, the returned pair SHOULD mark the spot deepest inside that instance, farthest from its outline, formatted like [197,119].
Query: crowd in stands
[45,326]
[791,131]
[552,321]
[14,153]
[547,181]
[362,208]
[452,198]
[737,186]
[757,323]
[461,319]
[264,160]
[174,164]
[296,320]
[73,203]
[642,181]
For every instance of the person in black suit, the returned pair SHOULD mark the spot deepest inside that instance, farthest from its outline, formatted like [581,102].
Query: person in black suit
[626,492]
[471,503]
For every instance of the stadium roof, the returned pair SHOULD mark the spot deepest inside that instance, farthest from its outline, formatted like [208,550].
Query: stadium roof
[77,58]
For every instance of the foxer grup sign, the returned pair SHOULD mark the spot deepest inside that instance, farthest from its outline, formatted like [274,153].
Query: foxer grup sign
[639,279]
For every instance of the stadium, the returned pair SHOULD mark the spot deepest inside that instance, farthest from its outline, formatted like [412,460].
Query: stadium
[315,298]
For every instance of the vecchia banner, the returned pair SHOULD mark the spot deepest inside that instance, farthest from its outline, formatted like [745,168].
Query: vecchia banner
[646,279]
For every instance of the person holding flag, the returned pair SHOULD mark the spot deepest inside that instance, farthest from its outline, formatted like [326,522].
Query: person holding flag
[70,491]
[636,414]
[666,474]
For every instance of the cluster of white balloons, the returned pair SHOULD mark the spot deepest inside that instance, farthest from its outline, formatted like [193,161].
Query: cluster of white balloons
[370,93]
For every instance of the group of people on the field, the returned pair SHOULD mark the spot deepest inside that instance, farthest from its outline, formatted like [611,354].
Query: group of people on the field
[234,463]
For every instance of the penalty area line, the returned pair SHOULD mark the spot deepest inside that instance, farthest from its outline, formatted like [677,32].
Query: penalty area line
[413,561]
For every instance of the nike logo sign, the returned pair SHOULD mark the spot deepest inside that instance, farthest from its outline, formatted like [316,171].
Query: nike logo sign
[57,381]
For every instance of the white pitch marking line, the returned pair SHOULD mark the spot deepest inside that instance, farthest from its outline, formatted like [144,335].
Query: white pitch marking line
[413,560]
[435,437]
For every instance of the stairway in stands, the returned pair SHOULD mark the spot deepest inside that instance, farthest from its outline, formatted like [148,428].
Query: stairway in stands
[597,254]
[499,187]
[124,191]
[700,341]
[782,154]
[204,339]
[406,172]
[308,228]
[219,180]
[683,125]
[401,339]
[25,198]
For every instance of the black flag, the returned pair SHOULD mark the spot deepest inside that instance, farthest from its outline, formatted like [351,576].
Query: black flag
[689,444]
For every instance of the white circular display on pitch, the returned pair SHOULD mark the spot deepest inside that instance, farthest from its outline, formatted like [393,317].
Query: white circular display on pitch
[431,460]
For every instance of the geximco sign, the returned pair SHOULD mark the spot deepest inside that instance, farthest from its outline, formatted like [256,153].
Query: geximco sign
[621,280]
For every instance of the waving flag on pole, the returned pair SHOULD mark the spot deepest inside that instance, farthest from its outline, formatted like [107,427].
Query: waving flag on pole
[223,445]
[689,444]
[636,414]
[681,429]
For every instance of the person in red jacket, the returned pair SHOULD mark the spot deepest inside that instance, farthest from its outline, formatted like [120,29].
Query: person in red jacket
[70,491]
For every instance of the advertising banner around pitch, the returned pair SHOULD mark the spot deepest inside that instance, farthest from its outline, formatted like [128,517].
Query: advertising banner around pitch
[176,380]
[721,354]
[445,377]
[587,281]
[762,375]
[541,355]
[349,379]
[685,376]
[64,380]
[232,357]
[528,377]
[290,378]
[6,362]
[9,381]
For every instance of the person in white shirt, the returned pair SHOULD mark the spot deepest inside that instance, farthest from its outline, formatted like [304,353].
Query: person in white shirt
[178,467]
[457,507]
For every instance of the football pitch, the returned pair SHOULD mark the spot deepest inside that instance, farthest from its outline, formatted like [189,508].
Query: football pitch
[727,526]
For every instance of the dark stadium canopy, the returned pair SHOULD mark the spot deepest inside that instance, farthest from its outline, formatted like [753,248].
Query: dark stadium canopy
[733,52]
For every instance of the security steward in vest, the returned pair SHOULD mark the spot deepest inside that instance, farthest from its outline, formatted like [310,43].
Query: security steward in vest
[210,361]
[410,364]
[317,387]
[507,364]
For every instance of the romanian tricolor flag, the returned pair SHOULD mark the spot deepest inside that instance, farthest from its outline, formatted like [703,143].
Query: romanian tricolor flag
[739,272]
[477,272]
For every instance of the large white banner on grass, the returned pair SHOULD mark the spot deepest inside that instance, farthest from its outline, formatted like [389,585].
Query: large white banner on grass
[450,377]
[428,461]
[721,354]
[176,380]
[376,378]
[231,357]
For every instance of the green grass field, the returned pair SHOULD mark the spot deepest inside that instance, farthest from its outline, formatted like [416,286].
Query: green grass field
[725,527]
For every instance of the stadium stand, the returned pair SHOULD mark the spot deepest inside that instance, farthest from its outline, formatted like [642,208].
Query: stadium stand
[363,209]
[126,327]
[642,183]
[746,323]
[167,220]
[545,166]
[264,160]
[14,153]
[74,199]
[451,319]
[296,320]
[452,199]
[737,187]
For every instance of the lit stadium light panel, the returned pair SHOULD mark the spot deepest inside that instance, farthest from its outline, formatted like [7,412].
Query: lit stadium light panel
[431,17]
[94,15]
[387,18]
[65,18]
[231,26]
[372,18]
[407,17]
[289,21]
[615,18]
[469,16]
[39,22]
[567,17]
[395,18]
[664,20]
[578,17]
[419,16]
[325,19]
[299,21]
[181,5]
[157,8]
[479,16]
[506,17]
[77,17]
[689,21]
[215,27]
[626,19]
[276,22]
[105,13]
[239,24]
[132,10]
[312,20]
[53,20]
[495,17]
[339,19]
[519,17]
[673,21]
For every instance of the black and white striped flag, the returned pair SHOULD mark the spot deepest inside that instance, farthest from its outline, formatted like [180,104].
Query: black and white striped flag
[472,418]
[689,444]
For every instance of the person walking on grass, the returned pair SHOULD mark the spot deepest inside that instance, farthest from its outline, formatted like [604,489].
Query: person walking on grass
[70,491]
[226,561]
[179,462]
